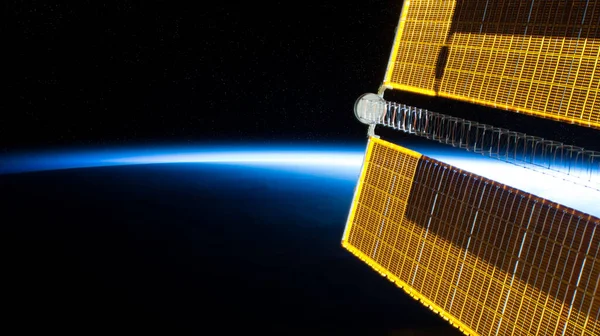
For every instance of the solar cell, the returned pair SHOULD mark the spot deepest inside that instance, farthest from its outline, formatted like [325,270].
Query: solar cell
[488,258]
[533,57]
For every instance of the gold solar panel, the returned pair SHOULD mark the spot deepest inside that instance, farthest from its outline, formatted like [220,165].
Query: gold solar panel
[490,259]
[533,57]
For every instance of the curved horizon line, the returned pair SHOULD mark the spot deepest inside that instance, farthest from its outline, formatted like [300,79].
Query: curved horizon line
[342,159]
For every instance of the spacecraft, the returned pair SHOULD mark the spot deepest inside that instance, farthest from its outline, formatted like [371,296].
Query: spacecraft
[489,258]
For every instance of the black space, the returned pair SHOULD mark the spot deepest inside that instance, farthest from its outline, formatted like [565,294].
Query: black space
[101,73]
[159,71]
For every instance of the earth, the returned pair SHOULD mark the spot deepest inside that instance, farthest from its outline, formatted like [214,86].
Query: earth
[213,248]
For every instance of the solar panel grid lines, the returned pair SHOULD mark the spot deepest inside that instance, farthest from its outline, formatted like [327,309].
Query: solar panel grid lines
[488,258]
[532,57]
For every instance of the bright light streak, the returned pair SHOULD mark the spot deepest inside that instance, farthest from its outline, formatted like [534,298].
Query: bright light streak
[552,188]
[333,162]
[332,159]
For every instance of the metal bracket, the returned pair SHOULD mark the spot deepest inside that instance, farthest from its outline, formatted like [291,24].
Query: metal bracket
[381,90]
[371,132]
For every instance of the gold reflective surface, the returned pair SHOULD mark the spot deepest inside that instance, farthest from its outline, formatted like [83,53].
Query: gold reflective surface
[533,57]
[490,259]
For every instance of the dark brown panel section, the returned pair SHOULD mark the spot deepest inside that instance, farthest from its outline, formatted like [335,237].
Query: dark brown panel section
[489,258]
[566,18]
[526,240]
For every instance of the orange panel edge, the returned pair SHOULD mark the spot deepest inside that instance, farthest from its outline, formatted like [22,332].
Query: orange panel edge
[376,266]
[396,43]
[487,67]
[453,321]
[390,242]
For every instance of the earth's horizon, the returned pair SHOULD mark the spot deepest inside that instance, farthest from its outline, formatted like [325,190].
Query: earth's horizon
[187,245]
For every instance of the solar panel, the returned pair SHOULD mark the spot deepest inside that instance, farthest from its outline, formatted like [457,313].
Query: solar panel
[568,162]
[533,57]
[488,258]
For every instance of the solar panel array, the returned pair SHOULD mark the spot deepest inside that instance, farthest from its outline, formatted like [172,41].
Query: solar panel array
[533,57]
[486,257]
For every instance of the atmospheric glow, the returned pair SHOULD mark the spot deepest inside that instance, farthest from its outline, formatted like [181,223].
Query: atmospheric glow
[333,162]
[564,192]
[279,158]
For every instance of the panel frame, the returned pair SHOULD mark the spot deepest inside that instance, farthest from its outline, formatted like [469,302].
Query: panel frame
[516,264]
[586,117]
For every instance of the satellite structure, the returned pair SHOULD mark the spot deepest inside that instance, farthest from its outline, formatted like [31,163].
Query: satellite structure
[489,258]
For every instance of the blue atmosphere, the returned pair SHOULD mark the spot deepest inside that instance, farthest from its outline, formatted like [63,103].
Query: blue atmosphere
[333,161]
[163,235]
[171,232]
